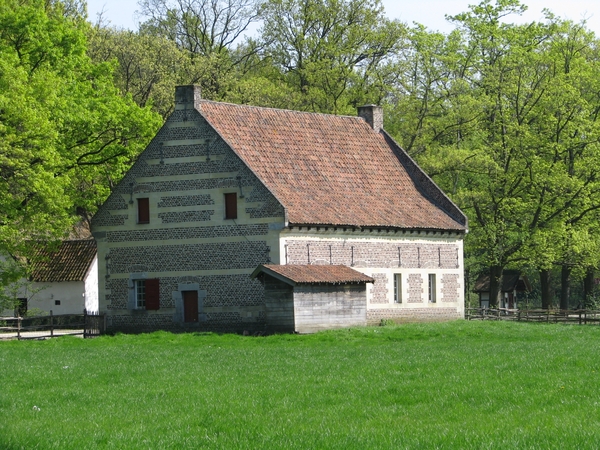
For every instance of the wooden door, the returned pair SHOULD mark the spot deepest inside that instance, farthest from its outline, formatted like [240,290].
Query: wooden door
[190,306]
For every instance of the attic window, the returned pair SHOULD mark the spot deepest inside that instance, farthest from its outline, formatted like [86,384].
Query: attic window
[143,210]
[231,206]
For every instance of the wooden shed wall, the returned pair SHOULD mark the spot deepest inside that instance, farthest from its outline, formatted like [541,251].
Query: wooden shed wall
[323,307]
[279,305]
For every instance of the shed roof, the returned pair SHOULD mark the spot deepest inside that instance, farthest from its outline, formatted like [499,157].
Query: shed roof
[313,274]
[71,261]
[332,170]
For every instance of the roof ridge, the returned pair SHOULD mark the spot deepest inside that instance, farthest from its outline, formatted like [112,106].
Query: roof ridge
[242,105]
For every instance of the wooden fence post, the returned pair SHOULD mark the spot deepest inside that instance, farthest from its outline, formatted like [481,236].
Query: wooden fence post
[19,328]
[85,323]
[51,324]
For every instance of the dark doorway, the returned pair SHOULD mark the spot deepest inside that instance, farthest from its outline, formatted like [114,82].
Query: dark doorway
[21,310]
[190,306]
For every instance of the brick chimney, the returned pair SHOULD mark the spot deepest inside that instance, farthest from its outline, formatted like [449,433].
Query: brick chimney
[373,115]
[187,97]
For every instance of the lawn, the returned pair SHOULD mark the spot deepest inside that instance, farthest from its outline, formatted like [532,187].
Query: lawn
[444,385]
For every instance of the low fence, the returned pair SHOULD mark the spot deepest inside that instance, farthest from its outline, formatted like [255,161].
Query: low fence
[576,316]
[87,325]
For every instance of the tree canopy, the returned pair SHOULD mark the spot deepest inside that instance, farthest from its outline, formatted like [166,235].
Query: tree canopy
[66,133]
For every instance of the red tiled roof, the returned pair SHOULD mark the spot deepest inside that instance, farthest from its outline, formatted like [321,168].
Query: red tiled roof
[309,274]
[70,262]
[326,169]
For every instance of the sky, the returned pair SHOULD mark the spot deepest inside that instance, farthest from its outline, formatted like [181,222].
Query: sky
[431,13]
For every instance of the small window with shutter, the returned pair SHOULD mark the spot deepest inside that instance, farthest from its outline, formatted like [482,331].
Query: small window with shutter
[143,210]
[231,206]
[147,294]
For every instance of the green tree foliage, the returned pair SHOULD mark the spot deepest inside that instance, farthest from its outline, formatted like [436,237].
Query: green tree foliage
[147,67]
[505,117]
[66,135]
[330,51]
[209,36]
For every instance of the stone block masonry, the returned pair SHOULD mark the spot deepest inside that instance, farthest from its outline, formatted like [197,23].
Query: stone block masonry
[190,257]
[379,289]
[450,287]
[383,255]
[373,254]
[185,172]
[374,316]
[415,288]
[222,291]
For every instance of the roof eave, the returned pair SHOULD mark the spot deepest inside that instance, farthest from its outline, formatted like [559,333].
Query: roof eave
[381,227]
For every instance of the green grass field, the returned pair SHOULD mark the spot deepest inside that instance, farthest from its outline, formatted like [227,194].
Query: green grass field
[444,385]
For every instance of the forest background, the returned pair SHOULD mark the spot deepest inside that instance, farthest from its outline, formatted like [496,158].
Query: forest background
[503,115]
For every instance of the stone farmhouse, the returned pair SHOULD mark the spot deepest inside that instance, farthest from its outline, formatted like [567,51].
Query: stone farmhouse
[227,191]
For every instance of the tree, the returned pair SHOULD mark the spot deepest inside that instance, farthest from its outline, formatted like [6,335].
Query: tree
[328,49]
[65,132]
[201,27]
[504,119]
[147,67]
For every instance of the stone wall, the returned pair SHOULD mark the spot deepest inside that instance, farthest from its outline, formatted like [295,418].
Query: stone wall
[185,172]
[374,254]
[387,256]
[374,316]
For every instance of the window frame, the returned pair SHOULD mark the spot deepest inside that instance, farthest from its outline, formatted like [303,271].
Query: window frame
[398,288]
[139,287]
[230,199]
[432,288]
[143,210]
[145,294]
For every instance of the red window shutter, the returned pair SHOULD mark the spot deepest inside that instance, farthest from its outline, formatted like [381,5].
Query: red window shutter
[152,294]
[231,206]
[143,210]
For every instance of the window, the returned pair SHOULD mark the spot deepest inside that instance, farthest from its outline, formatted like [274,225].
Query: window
[140,294]
[397,288]
[147,294]
[231,206]
[56,302]
[143,210]
[432,288]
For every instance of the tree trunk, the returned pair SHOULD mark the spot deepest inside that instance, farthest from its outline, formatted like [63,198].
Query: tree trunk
[588,287]
[547,292]
[565,286]
[495,285]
